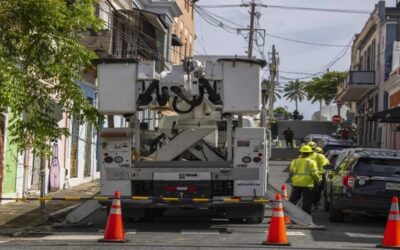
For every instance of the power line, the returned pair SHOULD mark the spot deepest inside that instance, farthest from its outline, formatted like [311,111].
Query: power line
[317,9]
[290,8]
[239,26]
[304,42]
[339,56]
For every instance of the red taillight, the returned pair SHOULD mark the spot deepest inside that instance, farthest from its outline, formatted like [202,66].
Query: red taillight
[235,198]
[192,189]
[348,181]
[171,189]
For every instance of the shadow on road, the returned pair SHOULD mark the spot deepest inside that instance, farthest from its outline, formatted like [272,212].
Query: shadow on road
[355,229]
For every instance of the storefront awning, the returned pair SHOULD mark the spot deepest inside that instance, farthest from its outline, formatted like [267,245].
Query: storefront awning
[153,18]
[386,116]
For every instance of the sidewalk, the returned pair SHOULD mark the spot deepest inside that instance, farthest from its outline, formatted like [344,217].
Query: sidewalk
[18,216]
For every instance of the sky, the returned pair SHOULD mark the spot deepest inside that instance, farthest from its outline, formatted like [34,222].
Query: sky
[330,28]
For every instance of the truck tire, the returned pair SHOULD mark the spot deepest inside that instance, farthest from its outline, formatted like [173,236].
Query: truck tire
[254,220]
[335,215]
[326,200]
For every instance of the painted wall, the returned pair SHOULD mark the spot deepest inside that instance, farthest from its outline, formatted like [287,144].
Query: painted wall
[10,162]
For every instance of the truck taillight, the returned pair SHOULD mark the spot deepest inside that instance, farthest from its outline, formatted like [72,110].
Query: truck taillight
[348,181]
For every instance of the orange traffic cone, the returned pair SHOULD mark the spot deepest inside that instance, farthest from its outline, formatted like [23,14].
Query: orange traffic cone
[391,238]
[277,229]
[285,197]
[115,227]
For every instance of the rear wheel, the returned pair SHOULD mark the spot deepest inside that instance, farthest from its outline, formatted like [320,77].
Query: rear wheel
[335,215]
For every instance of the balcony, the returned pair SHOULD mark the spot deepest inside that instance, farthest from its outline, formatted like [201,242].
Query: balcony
[356,85]
[100,42]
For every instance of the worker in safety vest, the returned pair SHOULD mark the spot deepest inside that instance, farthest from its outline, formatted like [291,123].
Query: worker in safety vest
[304,172]
[321,161]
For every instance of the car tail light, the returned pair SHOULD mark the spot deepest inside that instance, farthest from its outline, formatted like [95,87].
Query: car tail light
[348,181]
[235,198]
[171,189]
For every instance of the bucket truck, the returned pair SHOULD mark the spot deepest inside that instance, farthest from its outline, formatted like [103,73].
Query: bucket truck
[183,139]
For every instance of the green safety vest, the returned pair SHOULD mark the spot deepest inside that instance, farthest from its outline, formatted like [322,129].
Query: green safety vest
[304,172]
[321,161]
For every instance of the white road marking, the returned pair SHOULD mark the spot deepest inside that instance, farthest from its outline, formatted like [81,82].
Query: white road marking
[293,233]
[3,241]
[357,235]
[199,232]
[73,237]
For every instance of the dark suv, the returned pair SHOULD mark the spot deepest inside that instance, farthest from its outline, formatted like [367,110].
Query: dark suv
[364,181]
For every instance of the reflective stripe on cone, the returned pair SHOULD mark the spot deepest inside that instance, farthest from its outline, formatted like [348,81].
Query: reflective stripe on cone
[391,237]
[277,229]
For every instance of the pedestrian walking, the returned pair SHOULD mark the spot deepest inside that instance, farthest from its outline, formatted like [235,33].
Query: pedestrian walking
[289,137]
[321,161]
[304,173]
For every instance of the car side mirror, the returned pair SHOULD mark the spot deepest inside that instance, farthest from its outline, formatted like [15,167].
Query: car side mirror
[329,167]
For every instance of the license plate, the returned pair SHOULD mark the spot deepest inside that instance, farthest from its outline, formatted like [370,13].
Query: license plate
[119,174]
[392,186]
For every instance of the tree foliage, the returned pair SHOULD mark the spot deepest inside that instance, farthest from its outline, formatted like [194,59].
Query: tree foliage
[281,110]
[40,58]
[294,91]
[267,86]
[324,88]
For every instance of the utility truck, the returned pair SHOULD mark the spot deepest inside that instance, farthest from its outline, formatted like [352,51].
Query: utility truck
[186,137]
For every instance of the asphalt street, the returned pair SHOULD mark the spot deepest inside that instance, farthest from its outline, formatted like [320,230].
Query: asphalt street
[191,229]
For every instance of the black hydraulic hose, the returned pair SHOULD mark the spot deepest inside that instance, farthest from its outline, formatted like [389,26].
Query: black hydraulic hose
[177,110]
[179,93]
[196,101]
[163,99]
[153,145]
[146,98]
[212,94]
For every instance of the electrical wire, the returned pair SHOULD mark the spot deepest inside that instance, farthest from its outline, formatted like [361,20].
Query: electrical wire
[339,56]
[238,26]
[289,8]
[304,42]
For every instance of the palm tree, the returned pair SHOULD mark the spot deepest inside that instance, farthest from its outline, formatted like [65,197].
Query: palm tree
[294,91]
[266,86]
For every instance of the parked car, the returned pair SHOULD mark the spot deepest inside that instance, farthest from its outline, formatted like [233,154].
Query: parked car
[334,145]
[332,155]
[318,137]
[335,158]
[364,181]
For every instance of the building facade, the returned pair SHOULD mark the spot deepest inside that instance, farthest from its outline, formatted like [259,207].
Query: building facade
[183,29]
[139,29]
[371,64]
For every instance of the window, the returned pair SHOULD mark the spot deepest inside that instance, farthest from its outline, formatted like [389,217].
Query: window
[373,56]
[378,166]
[187,5]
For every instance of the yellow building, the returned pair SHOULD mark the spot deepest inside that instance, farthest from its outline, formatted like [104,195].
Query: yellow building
[183,32]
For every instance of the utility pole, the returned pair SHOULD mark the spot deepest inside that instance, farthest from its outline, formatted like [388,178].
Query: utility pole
[251,31]
[273,72]
[251,39]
